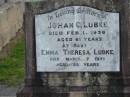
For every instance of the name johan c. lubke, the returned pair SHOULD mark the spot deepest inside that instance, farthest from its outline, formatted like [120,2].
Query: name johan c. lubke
[78,25]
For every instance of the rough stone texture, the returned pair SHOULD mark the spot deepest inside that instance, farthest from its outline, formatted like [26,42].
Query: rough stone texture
[78,84]
[2,2]
[11,20]
[129,32]
[7,91]
[24,0]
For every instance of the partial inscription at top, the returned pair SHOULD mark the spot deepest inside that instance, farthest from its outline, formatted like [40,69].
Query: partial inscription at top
[77,39]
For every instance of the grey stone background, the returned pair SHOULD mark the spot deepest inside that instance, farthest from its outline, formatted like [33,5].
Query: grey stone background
[11,20]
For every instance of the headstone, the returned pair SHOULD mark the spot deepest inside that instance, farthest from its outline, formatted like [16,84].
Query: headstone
[77,48]
[77,38]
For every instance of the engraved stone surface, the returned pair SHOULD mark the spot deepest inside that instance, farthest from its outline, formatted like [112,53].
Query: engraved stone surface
[77,38]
